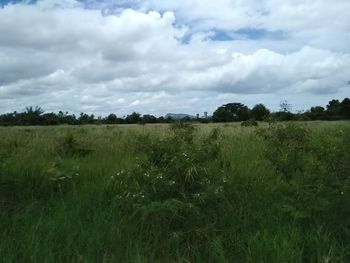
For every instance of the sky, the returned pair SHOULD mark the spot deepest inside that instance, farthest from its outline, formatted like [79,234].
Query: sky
[178,56]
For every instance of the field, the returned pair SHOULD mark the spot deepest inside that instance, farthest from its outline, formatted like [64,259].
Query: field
[176,193]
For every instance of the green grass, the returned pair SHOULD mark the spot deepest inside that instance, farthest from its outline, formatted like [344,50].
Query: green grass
[152,193]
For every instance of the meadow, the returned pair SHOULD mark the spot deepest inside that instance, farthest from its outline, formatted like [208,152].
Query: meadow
[278,192]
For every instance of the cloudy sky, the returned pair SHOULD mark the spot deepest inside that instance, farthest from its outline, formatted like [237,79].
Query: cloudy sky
[177,56]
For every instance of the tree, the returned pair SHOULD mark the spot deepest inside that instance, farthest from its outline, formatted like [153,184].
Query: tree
[231,112]
[285,106]
[334,109]
[133,118]
[37,111]
[32,116]
[111,119]
[345,108]
[86,119]
[147,118]
[316,113]
[259,112]
[70,119]
[50,119]
[284,114]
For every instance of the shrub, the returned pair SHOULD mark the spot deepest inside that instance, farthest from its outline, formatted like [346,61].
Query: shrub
[332,154]
[315,172]
[286,148]
[68,145]
[177,186]
[259,112]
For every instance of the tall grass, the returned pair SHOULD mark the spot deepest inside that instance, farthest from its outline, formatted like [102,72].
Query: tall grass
[159,193]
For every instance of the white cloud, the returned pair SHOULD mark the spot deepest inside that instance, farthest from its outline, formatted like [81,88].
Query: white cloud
[318,23]
[60,55]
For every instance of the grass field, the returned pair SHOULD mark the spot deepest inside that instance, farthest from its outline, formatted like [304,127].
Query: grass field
[180,193]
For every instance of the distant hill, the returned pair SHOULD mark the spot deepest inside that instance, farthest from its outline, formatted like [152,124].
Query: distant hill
[178,116]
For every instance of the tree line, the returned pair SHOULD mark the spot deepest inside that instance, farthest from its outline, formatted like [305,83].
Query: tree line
[231,112]
[37,116]
[335,110]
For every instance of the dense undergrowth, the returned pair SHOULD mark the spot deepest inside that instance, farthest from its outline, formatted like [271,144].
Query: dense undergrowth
[177,193]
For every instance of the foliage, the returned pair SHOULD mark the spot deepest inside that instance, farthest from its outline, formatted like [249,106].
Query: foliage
[231,112]
[285,106]
[339,110]
[113,119]
[286,145]
[68,145]
[283,116]
[147,118]
[133,118]
[259,112]
[316,113]
[316,172]
[176,193]
[176,185]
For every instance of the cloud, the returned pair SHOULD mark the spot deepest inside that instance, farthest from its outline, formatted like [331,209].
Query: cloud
[319,23]
[63,55]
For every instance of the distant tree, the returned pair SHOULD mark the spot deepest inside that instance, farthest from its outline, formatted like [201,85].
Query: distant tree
[32,116]
[133,118]
[50,119]
[9,119]
[86,119]
[333,105]
[259,112]
[99,120]
[316,113]
[161,119]
[111,119]
[37,111]
[284,114]
[334,109]
[169,120]
[70,119]
[147,118]
[345,108]
[285,106]
[231,112]
[317,109]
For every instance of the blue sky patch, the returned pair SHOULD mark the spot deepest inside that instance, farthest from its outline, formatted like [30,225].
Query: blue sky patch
[5,2]
[109,4]
[255,34]
[221,36]
[247,33]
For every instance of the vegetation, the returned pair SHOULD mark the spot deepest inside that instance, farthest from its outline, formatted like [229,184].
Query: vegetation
[250,122]
[259,112]
[279,192]
[231,112]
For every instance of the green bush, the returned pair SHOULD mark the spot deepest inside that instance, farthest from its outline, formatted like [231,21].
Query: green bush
[177,186]
[315,172]
[68,145]
[286,148]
